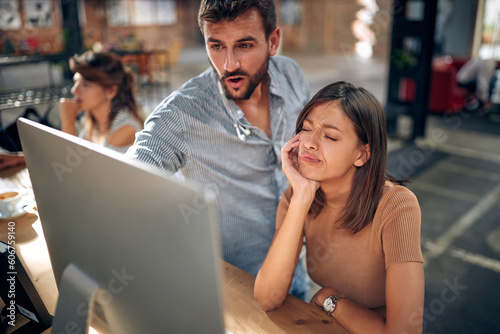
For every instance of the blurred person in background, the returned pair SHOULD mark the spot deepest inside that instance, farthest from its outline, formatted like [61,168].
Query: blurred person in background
[104,91]
[476,75]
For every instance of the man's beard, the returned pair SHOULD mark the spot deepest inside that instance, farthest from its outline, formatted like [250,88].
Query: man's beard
[254,81]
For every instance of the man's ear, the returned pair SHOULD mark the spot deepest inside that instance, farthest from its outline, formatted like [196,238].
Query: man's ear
[274,41]
[364,155]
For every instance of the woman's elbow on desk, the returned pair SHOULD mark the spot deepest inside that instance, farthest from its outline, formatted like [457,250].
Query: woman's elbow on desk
[266,303]
[266,297]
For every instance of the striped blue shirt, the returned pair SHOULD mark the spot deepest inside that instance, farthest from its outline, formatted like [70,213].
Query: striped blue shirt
[197,130]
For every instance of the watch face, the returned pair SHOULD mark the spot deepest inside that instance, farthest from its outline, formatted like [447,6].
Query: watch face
[328,305]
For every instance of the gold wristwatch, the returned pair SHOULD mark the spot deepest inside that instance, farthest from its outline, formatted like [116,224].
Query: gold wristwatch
[330,303]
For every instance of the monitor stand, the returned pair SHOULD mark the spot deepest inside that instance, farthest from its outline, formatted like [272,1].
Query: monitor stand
[76,299]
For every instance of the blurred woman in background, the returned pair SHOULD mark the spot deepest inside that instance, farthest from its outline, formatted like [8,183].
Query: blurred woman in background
[104,92]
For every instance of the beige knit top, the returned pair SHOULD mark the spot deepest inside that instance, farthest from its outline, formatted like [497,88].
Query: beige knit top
[355,264]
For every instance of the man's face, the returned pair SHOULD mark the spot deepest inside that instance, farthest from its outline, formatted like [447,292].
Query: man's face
[239,52]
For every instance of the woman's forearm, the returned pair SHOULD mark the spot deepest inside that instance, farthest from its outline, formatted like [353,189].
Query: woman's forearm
[68,112]
[69,127]
[405,286]
[275,276]
[352,316]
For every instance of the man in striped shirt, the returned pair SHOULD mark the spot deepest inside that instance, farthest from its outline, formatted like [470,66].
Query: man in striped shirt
[225,128]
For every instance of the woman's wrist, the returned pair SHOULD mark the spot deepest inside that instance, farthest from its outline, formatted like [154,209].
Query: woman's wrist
[68,118]
[301,201]
[68,126]
[305,197]
[320,296]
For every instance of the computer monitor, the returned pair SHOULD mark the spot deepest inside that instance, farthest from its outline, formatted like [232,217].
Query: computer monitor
[141,247]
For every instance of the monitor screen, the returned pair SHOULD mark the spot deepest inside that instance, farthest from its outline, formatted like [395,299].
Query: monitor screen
[138,249]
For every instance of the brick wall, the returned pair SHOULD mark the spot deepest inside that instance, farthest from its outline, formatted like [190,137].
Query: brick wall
[326,27]
[151,37]
[40,40]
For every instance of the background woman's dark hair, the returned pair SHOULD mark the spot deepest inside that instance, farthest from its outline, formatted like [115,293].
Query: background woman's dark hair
[368,117]
[214,11]
[107,70]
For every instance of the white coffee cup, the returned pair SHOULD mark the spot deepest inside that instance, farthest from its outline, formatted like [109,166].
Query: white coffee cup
[11,201]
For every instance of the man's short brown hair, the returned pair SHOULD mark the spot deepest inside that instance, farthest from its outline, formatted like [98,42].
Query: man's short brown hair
[215,11]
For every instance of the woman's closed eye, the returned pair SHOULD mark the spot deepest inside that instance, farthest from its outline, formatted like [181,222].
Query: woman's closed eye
[326,136]
[331,138]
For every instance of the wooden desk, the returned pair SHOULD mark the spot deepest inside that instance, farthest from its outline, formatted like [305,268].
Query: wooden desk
[30,242]
[241,314]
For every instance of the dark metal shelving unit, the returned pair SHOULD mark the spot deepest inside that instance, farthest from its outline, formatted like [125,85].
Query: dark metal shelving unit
[412,47]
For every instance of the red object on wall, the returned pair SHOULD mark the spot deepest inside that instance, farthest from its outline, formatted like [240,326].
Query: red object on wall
[407,90]
[32,43]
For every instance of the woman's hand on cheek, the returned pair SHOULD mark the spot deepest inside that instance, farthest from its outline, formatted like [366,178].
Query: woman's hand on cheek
[300,184]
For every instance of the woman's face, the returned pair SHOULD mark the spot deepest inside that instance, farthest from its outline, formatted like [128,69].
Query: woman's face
[90,95]
[329,149]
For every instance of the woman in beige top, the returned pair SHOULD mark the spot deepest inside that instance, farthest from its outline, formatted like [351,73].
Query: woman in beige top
[361,226]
